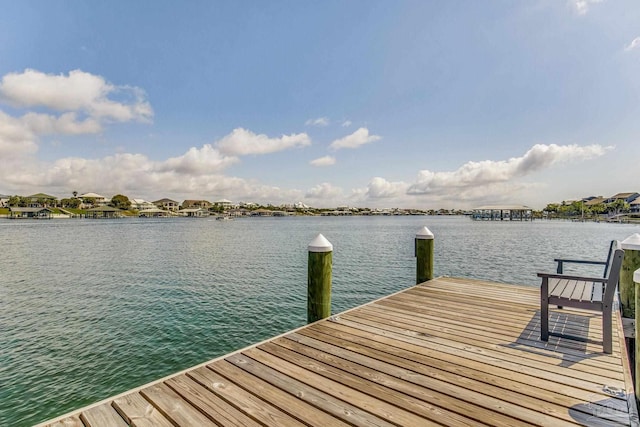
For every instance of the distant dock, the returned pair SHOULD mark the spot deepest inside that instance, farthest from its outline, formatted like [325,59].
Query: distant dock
[449,351]
[503,213]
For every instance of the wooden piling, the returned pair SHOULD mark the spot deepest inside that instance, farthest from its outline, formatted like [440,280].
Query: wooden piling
[319,279]
[636,279]
[424,255]
[630,264]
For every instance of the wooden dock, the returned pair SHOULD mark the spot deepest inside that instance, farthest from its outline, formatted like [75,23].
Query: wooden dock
[447,352]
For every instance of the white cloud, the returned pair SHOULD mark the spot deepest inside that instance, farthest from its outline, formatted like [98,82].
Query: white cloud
[16,138]
[78,91]
[320,121]
[323,161]
[136,174]
[65,124]
[203,161]
[634,44]
[355,140]
[582,6]
[82,100]
[381,188]
[346,123]
[324,191]
[241,142]
[479,175]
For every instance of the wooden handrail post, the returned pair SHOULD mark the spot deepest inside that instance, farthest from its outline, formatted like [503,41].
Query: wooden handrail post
[636,279]
[424,255]
[319,279]
[630,263]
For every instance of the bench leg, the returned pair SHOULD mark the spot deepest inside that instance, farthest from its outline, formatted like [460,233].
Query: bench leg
[607,333]
[544,309]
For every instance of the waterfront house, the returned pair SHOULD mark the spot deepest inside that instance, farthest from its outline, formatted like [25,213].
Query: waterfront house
[224,204]
[90,200]
[41,200]
[4,200]
[167,204]
[635,206]
[627,197]
[30,213]
[595,201]
[141,205]
[196,204]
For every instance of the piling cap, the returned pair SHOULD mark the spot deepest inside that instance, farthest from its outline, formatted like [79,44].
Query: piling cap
[631,243]
[320,244]
[424,234]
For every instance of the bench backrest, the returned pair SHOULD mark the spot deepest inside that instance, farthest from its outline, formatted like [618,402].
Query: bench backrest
[612,246]
[614,265]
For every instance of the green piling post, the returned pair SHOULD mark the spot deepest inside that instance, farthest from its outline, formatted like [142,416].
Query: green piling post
[424,255]
[319,279]
[636,279]
[630,263]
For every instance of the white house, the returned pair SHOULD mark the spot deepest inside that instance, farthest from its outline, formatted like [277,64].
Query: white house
[99,200]
[141,204]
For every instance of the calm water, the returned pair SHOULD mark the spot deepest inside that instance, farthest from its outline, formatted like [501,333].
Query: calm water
[89,309]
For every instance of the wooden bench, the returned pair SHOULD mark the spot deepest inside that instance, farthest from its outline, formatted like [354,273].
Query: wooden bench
[590,293]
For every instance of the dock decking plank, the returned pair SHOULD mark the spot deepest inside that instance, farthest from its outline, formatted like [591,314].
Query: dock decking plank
[216,409]
[483,396]
[103,415]
[71,421]
[376,383]
[451,351]
[339,409]
[522,333]
[482,338]
[173,407]
[253,406]
[288,403]
[138,412]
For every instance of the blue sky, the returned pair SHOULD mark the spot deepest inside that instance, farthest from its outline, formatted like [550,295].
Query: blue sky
[416,104]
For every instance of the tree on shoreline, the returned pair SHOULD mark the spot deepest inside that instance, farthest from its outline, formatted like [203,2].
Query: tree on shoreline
[121,202]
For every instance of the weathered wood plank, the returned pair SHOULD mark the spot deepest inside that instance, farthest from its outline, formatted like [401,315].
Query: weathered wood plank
[71,421]
[288,403]
[455,370]
[387,323]
[377,407]
[338,408]
[485,339]
[245,401]
[396,390]
[378,384]
[457,387]
[523,329]
[453,349]
[173,407]
[103,415]
[208,403]
[139,412]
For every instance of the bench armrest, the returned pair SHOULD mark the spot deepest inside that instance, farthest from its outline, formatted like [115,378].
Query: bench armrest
[580,261]
[567,277]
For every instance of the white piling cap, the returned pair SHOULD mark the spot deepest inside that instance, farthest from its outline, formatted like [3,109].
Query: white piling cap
[424,234]
[320,244]
[636,276]
[631,243]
